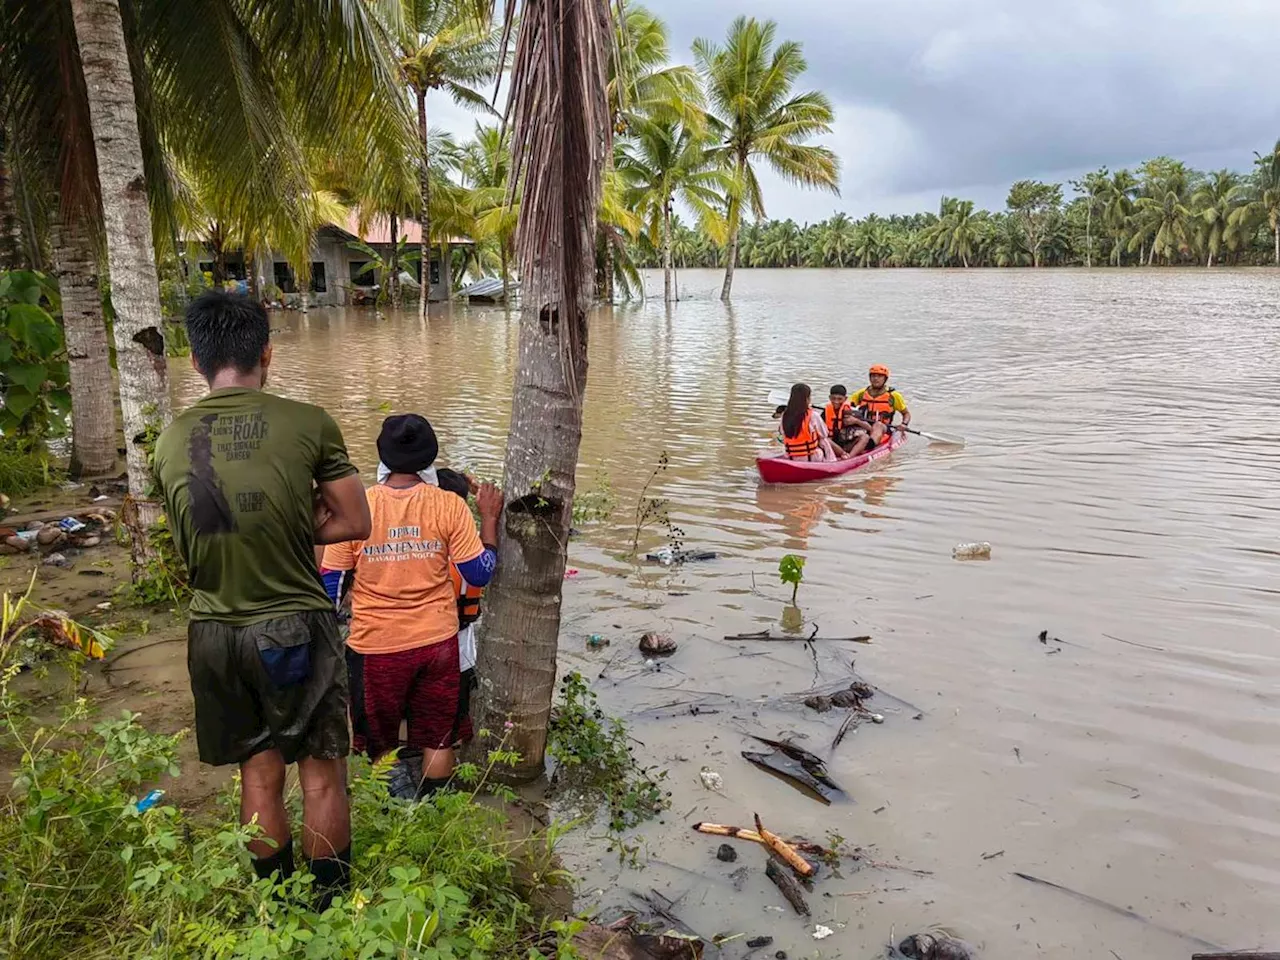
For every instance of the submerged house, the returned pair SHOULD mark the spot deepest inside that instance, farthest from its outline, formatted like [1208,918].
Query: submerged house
[339,274]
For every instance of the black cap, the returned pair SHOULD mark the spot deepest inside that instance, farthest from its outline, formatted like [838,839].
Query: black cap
[407,443]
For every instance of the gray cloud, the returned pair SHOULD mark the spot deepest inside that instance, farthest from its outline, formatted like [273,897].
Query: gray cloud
[937,96]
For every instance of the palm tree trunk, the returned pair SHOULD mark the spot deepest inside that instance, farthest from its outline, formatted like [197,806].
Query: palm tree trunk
[93,415]
[424,263]
[667,293]
[393,267]
[251,275]
[735,224]
[135,287]
[1088,234]
[1277,233]
[521,627]
[11,252]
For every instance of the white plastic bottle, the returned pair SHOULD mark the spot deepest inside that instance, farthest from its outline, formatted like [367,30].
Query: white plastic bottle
[971,551]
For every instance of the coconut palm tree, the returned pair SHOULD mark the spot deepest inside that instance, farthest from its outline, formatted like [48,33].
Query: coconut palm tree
[1162,214]
[561,129]
[838,240]
[486,172]
[661,161]
[252,109]
[1092,187]
[756,117]
[135,284]
[1118,208]
[643,82]
[1214,203]
[956,233]
[443,46]
[1262,200]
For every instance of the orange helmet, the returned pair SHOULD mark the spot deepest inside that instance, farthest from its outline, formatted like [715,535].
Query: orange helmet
[879,368]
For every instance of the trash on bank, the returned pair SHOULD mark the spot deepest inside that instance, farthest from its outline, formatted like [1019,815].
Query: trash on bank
[809,779]
[711,780]
[821,933]
[596,641]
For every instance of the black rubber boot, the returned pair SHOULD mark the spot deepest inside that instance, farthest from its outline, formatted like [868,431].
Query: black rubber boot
[281,860]
[333,876]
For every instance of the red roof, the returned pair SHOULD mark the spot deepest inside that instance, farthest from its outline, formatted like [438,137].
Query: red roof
[379,229]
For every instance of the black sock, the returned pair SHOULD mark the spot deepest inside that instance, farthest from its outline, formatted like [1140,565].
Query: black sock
[430,785]
[281,860]
[333,876]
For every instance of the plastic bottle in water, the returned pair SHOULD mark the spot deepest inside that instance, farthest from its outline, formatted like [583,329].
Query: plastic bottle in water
[971,551]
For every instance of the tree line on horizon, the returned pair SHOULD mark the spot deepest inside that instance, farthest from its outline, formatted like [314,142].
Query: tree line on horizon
[1162,213]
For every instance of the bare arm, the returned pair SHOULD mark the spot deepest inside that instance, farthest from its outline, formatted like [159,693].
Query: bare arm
[342,512]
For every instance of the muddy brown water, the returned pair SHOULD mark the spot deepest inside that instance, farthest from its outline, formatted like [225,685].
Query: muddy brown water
[1122,460]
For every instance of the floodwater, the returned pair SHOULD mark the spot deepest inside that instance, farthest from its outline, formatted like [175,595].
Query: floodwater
[1122,459]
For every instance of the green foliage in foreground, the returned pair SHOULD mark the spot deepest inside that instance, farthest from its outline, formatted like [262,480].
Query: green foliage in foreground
[24,467]
[85,873]
[595,763]
[33,361]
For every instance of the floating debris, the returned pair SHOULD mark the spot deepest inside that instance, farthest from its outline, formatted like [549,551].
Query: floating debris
[936,946]
[657,645]
[711,780]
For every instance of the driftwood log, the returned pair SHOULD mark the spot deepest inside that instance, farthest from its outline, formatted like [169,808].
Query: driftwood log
[789,887]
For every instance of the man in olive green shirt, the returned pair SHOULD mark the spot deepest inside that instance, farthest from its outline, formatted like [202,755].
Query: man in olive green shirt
[251,483]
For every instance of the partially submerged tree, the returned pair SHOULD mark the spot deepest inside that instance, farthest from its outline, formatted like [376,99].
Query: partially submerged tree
[561,130]
[754,116]
[451,47]
[663,161]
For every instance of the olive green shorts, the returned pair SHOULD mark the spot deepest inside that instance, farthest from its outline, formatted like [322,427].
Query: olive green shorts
[279,684]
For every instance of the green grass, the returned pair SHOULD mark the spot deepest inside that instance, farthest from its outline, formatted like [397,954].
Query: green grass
[24,467]
[85,874]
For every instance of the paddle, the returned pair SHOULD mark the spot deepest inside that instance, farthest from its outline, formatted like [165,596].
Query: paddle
[779,397]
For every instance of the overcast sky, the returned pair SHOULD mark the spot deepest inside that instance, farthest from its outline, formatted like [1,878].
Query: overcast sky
[938,97]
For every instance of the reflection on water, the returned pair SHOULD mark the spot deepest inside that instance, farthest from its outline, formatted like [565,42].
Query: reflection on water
[1121,457]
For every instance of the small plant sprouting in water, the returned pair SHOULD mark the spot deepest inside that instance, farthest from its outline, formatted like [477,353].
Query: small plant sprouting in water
[596,504]
[791,570]
[595,762]
[654,510]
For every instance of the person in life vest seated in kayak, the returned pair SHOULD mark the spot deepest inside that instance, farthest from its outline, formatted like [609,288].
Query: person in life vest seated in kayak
[877,404]
[846,429]
[803,434]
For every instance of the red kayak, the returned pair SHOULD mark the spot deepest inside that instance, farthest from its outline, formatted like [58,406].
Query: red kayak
[782,469]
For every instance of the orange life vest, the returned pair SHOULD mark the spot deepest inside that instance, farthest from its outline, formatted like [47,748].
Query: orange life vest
[878,407]
[835,418]
[804,444]
[468,598]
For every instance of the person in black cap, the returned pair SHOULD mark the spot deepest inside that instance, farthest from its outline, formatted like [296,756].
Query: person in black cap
[402,652]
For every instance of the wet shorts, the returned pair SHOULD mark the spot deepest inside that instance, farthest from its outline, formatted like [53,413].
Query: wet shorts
[280,683]
[420,687]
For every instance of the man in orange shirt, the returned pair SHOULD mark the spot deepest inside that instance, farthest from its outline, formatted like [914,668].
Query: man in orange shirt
[402,652]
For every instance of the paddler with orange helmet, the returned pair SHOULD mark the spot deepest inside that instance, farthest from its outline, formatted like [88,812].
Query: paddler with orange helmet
[878,403]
